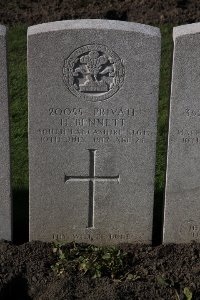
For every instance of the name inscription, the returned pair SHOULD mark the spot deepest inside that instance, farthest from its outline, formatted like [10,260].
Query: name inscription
[99,125]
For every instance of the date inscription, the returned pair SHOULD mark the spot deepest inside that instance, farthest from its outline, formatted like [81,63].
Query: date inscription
[98,125]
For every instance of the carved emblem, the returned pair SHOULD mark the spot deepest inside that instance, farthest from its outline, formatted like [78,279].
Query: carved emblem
[93,72]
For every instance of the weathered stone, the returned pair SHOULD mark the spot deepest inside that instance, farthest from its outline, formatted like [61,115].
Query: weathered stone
[93,91]
[182,203]
[5,190]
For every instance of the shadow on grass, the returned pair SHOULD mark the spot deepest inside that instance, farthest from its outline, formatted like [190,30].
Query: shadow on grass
[158,218]
[20,216]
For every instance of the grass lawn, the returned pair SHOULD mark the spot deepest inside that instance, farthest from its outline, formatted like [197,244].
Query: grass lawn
[19,120]
[18,106]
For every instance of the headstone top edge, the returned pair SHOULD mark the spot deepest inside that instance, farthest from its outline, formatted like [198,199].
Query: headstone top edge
[94,24]
[186,30]
[3,30]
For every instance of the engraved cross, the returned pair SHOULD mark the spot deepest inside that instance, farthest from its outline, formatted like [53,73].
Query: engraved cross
[92,179]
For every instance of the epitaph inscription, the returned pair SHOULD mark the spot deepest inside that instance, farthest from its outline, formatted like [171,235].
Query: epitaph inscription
[92,130]
[190,229]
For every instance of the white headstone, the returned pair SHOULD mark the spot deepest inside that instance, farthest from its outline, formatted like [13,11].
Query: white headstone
[93,93]
[182,202]
[5,189]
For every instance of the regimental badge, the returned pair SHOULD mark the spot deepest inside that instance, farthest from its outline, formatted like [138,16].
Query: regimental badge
[93,72]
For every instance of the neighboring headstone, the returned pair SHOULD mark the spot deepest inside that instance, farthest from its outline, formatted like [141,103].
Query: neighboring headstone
[182,199]
[5,189]
[93,92]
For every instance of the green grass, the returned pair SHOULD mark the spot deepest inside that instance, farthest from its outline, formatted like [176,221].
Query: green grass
[18,106]
[18,96]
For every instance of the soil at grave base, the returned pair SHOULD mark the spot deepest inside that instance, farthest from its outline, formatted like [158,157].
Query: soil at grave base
[142,11]
[25,273]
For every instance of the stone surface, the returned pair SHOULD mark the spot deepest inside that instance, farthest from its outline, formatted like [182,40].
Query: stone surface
[5,190]
[93,91]
[182,203]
